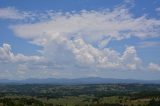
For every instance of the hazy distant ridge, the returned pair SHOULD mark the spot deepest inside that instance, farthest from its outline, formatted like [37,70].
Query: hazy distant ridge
[89,80]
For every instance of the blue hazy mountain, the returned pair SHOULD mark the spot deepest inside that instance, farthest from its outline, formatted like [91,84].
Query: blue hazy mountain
[89,80]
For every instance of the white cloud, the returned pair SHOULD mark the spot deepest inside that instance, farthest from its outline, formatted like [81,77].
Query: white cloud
[158,9]
[79,41]
[68,39]
[77,52]
[130,59]
[129,1]
[92,26]
[22,69]
[12,13]
[154,67]
[7,56]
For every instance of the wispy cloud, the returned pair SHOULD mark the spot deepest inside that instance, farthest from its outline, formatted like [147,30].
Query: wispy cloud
[12,13]
[92,26]
[147,44]
[158,9]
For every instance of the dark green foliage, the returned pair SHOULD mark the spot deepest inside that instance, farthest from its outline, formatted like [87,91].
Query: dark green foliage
[92,95]
[153,102]
[20,102]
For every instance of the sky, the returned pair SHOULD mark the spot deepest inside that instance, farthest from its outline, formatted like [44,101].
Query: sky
[80,38]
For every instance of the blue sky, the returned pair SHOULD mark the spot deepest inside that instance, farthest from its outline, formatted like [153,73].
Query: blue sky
[80,38]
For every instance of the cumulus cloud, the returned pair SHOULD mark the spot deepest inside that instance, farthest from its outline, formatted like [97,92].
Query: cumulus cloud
[107,58]
[79,41]
[154,67]
[70,38]
[7,56]
[77,52]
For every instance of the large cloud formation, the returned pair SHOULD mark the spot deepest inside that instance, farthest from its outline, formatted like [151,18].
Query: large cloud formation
[92,26]
[80,40]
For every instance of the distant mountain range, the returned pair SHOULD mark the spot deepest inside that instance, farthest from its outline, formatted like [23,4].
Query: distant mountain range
[89,80]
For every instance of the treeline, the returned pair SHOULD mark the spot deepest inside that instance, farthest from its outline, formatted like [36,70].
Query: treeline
[59,91]
[35,102]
